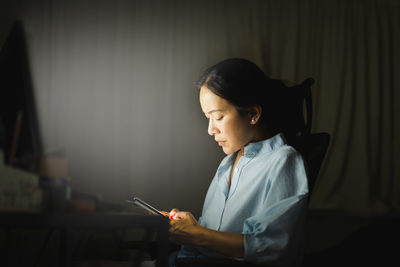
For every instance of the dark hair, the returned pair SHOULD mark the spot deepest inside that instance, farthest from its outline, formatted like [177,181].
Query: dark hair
[245,85]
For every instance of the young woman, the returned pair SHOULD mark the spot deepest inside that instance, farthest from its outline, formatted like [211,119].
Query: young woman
[255,205]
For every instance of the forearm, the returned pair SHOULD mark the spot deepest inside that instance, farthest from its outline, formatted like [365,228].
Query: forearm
[185,230]
[228,244]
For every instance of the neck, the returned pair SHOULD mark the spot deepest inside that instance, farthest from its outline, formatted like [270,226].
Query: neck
[262,134]
[241,152]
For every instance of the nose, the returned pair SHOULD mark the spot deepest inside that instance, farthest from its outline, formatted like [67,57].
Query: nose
[212,129]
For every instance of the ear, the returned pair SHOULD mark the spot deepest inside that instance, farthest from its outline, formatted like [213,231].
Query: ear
[255,114]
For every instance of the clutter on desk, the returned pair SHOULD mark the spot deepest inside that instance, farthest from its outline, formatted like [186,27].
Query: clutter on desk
[55,183]
[19,190]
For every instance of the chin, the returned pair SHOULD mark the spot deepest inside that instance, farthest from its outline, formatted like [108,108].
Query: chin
[228,151]
[225,151]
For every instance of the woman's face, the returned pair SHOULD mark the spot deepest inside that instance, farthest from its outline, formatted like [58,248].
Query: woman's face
[230,130]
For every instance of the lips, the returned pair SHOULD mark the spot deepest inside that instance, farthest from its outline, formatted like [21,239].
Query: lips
[220,143]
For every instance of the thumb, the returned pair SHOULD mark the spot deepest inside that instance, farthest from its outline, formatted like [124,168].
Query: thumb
[173,213]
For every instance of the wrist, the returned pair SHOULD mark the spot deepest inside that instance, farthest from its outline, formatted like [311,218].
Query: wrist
[200,236]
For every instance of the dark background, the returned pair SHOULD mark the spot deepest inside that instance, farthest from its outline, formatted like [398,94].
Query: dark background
[113,88]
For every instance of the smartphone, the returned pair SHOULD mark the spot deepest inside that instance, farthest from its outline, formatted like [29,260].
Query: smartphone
[138,202]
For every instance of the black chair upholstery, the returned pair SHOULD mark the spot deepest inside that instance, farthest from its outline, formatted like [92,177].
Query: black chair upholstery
[313,149]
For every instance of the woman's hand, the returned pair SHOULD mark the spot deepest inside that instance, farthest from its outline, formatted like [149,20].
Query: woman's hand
[171,214]
[165,213]
[184,228]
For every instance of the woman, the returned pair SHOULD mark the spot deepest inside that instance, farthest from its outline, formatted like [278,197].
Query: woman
[256,202]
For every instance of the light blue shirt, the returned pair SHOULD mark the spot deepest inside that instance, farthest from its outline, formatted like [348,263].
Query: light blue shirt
[266,202]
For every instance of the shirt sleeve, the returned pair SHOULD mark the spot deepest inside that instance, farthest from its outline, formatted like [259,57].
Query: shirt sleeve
[275,234]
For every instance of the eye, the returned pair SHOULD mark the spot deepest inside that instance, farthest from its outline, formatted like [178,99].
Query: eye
[220,118]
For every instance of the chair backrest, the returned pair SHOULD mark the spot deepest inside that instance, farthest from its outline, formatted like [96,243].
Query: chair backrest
[298,101]
[313,148]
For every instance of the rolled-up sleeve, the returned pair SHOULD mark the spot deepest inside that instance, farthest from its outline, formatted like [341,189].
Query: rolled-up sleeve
[275,234]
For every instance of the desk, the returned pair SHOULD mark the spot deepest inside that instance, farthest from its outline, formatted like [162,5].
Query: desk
[67,221]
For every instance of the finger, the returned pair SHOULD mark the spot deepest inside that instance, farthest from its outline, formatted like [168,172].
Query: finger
[174,210]
[172,213]
[173,230]
[174,217]
[181,215]
[174,223]
[164,213]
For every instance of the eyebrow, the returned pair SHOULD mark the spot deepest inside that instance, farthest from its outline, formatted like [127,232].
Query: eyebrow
[213,110]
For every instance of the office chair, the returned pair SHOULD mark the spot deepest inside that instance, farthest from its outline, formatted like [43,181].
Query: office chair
[312,147]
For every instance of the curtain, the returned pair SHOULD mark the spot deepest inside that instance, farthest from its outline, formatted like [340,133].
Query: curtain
[114,88]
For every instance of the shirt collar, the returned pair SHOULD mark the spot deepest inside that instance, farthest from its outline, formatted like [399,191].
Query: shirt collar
[253,149]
